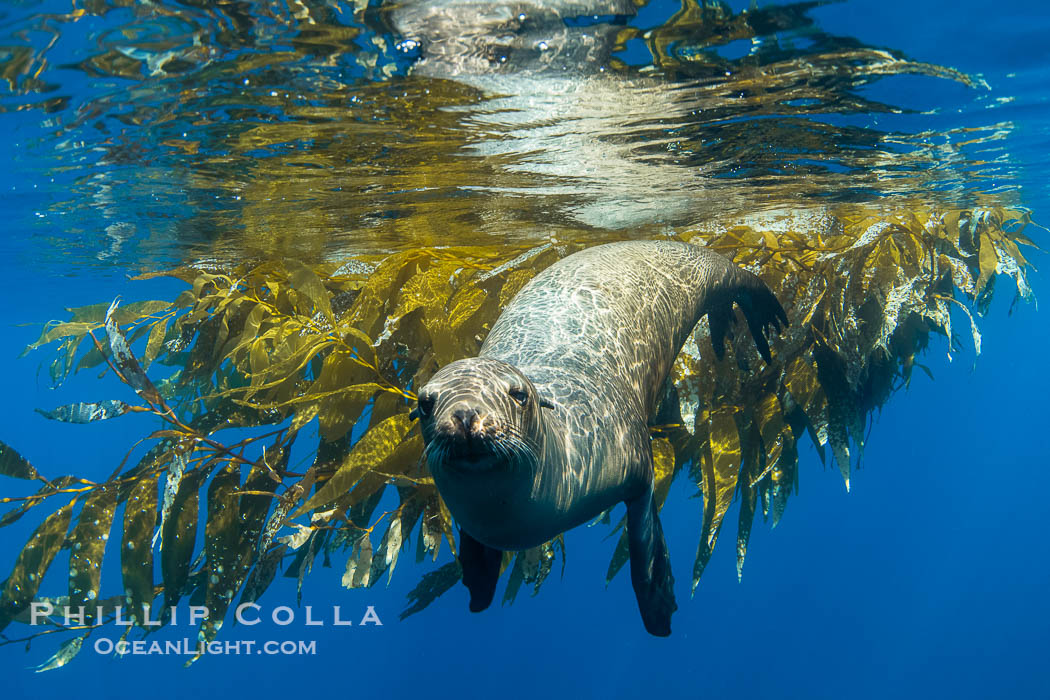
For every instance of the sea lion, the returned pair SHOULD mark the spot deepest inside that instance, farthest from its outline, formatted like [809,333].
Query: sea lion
[548,426]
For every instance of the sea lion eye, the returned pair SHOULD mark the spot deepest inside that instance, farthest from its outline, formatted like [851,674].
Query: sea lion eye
[425,406]
[520,396]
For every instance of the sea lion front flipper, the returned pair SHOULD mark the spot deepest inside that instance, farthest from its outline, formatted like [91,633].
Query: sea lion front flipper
[650,565]
[480,566]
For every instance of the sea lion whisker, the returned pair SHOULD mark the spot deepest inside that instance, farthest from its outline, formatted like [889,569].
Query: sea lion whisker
[515,432]
[504,452]
[436,452]
[522,454]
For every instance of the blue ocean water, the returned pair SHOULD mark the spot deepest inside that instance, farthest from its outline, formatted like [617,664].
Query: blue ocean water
[928,579]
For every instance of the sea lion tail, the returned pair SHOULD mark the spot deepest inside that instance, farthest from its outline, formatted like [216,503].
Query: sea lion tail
[650,565]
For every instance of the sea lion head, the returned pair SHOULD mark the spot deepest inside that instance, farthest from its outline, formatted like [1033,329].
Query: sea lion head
[481,415]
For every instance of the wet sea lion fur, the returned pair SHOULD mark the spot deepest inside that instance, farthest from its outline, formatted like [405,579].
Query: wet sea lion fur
[548,426]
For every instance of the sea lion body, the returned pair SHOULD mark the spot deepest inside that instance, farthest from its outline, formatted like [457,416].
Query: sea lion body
[548,426]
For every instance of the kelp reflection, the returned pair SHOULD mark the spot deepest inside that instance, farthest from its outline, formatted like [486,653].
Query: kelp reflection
[313,129]
[351,194]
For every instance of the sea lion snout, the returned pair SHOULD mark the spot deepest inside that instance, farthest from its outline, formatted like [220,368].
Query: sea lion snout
[467,421]
[469,424]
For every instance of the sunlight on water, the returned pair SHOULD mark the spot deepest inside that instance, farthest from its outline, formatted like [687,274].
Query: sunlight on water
[315,129]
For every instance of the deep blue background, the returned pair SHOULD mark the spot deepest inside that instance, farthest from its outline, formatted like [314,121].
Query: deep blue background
[929,579]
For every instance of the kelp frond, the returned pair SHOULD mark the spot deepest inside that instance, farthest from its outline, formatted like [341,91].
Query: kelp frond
[274,352]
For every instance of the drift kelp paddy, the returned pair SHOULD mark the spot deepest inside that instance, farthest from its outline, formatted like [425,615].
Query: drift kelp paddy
[351,195]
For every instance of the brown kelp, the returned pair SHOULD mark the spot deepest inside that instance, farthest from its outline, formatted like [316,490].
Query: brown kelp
[278,352]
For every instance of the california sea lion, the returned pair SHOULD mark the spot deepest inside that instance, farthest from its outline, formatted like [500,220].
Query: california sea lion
[548,426]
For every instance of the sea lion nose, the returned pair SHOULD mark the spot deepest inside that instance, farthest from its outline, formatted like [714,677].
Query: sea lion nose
[466,419]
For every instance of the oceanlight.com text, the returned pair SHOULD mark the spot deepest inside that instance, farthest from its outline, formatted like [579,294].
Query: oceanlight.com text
[187,647]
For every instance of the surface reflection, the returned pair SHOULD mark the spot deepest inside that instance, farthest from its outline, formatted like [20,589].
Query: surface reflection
[318,129]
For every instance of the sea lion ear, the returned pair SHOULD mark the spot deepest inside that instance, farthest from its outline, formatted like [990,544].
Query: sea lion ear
[545,403]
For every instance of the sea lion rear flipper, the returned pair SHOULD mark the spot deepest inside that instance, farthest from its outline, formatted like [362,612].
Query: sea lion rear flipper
[650,565]
[760,306]
[481,565]
[761,309]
